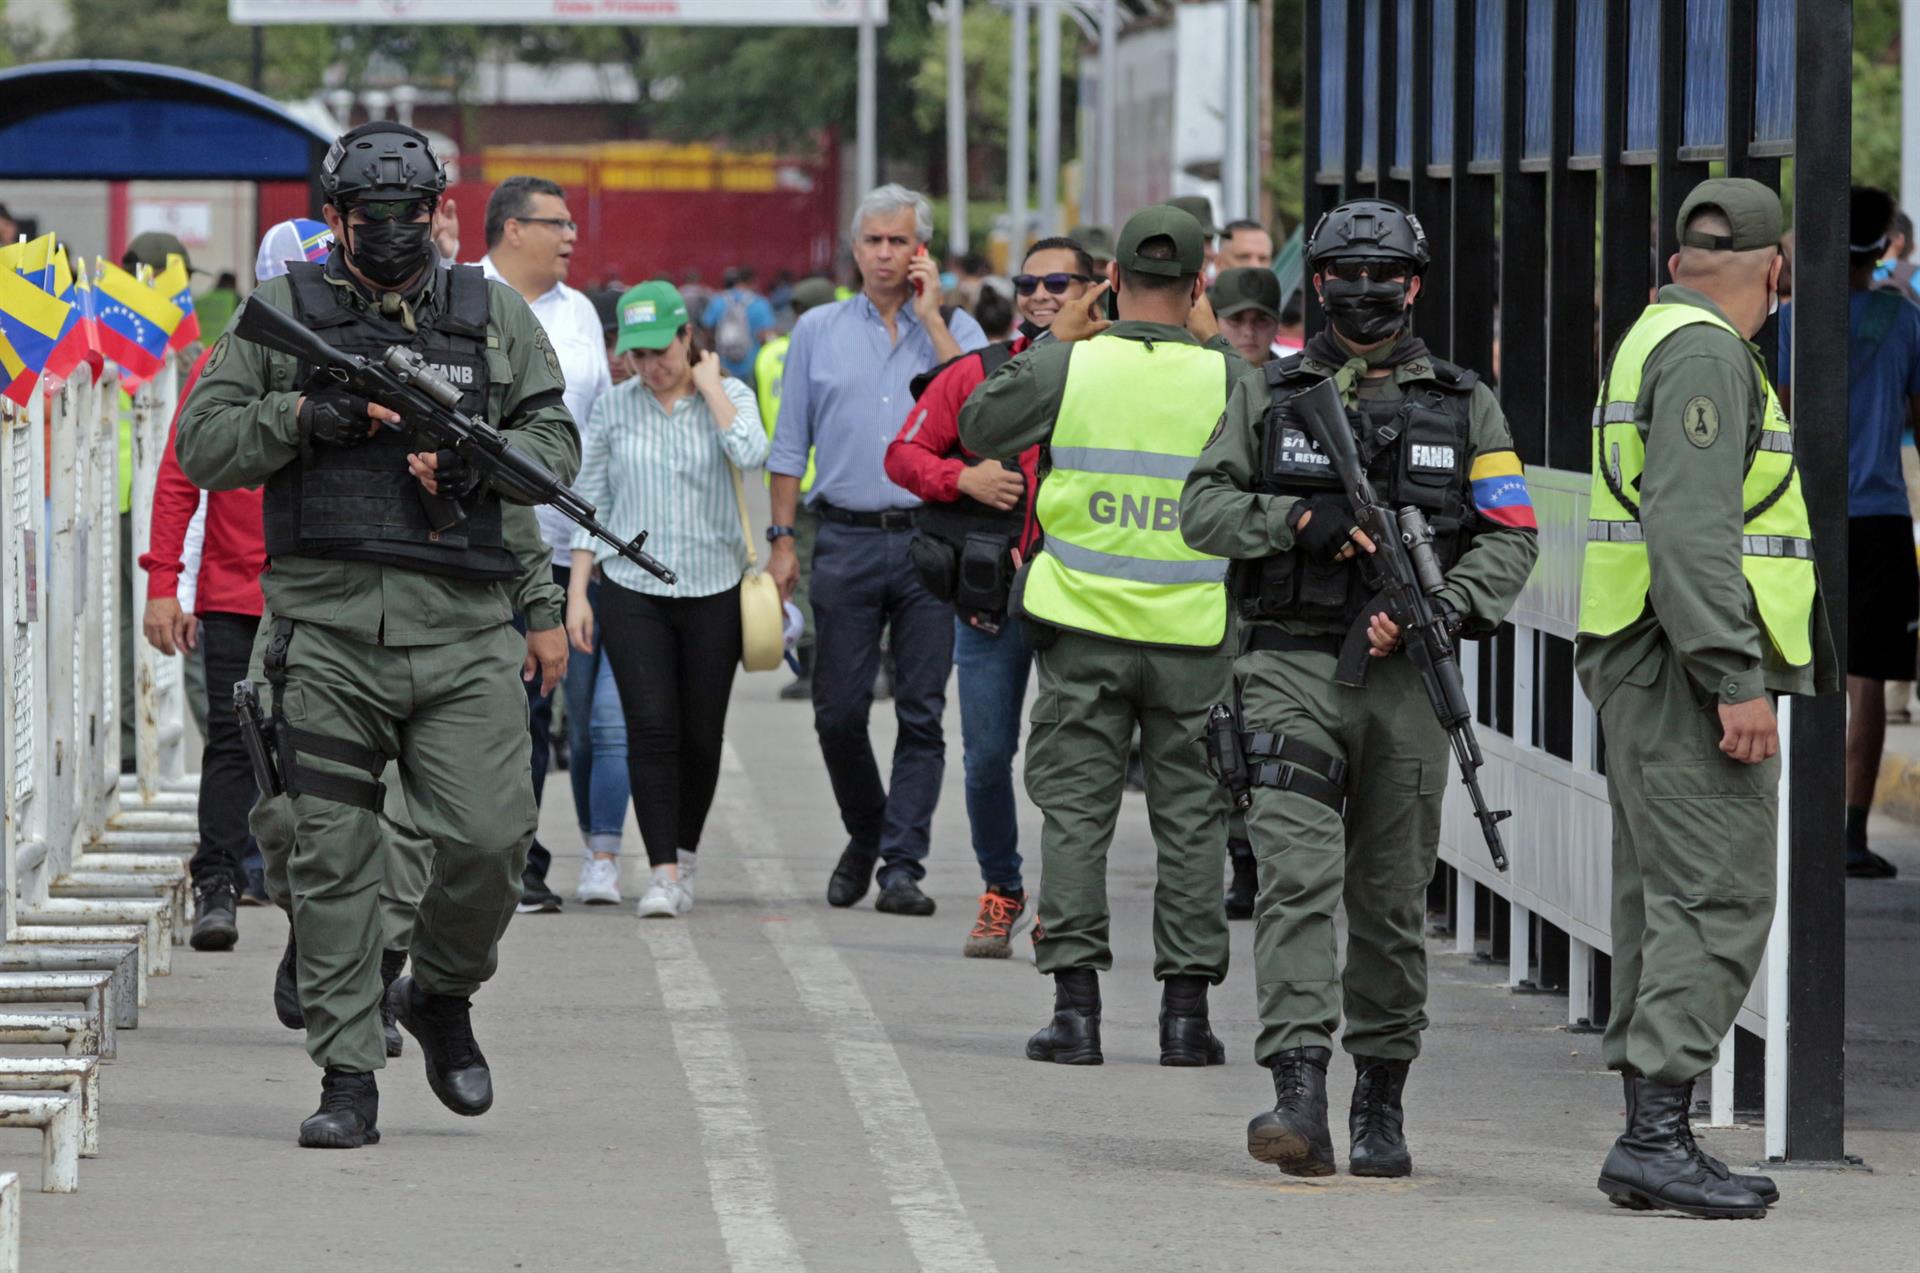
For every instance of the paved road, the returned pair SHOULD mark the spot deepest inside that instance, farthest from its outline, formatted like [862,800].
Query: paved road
[772,1085]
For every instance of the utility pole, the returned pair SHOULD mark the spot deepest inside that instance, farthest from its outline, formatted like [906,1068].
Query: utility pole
[866,113]
[1109,106]
[1019,120]
[957,236]
[1050,119]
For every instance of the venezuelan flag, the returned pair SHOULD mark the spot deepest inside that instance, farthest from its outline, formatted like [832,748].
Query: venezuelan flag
[80,342]
[172,284]
[1500,490]
[31,321]
[134,322]
[34,257]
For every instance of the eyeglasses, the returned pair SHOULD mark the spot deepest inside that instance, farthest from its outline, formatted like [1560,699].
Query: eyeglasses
[1025,284]
[559,223]
[1353,269]
[395,209]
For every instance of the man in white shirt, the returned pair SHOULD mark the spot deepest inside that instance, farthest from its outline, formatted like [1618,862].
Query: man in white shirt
[530,236]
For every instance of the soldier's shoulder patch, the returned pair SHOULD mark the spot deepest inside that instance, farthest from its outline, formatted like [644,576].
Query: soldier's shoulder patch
[218,356]
[547,350]
[1219,428]
[1700,419]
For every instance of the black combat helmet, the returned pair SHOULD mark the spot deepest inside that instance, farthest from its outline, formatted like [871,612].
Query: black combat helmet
[1369,228]
[378,161]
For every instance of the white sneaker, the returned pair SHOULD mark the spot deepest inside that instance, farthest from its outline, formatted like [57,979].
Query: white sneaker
[599,882]
[665,898]
[689,863]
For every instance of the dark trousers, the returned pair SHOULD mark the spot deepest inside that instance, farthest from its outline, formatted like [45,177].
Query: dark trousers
[863,584]
[539,731]
[227,791]
[673,660]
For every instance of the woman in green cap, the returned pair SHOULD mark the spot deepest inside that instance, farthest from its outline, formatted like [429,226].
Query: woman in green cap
[659,446]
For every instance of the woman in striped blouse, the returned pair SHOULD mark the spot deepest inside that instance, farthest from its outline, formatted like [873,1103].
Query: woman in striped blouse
[657,455]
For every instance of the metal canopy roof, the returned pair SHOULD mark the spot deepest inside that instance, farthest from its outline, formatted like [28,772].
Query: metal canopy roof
[111,120]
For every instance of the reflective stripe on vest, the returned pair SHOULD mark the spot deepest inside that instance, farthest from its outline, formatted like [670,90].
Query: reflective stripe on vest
[1133,419]
[1776,540]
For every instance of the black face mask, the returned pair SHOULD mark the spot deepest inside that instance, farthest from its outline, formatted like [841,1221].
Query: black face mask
[1363,311]
[390,252]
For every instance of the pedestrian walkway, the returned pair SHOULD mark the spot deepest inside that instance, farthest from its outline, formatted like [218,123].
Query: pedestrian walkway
[773,1085]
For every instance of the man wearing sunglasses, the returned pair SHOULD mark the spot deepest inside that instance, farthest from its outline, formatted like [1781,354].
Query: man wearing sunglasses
[975,528]
[386,635]
[1348,781]
[1129,624]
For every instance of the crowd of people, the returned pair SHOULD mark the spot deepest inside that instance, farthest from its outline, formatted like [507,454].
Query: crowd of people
[1100,475]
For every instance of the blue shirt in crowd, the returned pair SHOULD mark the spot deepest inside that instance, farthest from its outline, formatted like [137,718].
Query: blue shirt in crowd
[759,320]
[1883,382]
[846,391]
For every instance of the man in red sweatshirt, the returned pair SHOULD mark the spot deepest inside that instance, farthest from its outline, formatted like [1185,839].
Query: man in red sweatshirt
[221,629]
[975,528]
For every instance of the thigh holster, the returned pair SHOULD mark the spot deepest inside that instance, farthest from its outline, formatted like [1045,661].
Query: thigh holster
[1275,760]
[290,743]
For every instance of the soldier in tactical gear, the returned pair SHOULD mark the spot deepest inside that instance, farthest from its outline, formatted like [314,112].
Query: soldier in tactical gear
[1348,781]
[394,572]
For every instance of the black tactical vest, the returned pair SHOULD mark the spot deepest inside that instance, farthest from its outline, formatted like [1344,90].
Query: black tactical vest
[1415,450]
[963,549]
[360,503]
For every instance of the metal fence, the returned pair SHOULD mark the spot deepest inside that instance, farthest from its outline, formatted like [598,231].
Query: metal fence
[93,889]
[1546,146]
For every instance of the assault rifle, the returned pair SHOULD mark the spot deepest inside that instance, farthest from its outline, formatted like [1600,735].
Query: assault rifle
[429,406]
[1406,575]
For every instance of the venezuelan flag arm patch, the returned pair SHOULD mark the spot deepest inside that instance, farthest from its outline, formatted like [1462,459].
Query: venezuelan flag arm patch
[1500,490]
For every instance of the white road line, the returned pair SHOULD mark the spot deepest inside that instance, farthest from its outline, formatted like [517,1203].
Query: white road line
[924,1196]
[732,1136]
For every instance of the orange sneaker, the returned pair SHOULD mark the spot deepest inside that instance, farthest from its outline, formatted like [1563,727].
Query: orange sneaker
[992,935]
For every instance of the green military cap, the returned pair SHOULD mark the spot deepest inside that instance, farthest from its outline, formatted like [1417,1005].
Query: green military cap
[1096,239]
[1200,208]
[1162,219]
[151,249]
[809,292]
[1749,207]
[651,315]
[1246,287]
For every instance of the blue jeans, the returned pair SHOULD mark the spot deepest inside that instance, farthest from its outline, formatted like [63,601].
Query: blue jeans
[863,584]
[993,686]
[596,741]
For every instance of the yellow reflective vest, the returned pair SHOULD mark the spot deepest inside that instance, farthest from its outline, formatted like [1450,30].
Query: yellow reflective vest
[1777,542]
[1133,419]
[769,365]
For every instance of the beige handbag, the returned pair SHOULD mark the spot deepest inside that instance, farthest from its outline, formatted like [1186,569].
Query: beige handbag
[763,616]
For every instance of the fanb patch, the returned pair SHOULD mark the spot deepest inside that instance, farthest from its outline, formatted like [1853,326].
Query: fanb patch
[218,356]
[1701,420]
[546,348]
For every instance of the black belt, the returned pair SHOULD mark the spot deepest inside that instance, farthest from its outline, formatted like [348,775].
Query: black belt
[1273,640]
[884,519]
[1275,760]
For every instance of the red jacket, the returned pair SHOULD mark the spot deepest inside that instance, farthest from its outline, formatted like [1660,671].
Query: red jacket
[234,553]
[926,457]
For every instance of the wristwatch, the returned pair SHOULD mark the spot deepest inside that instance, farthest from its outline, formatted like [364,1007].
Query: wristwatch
[779,532]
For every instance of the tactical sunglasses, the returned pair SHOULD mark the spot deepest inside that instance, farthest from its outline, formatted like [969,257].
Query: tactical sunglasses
[395,209]
[1026,284]
[1352,269]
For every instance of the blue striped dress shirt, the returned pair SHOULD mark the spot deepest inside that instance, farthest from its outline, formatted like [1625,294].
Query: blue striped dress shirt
[645,467]
[845,393]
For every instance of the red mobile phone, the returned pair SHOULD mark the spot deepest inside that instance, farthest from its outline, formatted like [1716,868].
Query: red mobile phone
[918,286]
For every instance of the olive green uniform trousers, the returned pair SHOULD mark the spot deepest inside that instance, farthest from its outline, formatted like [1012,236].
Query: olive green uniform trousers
[1378,861]
[1693,873]
[453,717]
[1092,693]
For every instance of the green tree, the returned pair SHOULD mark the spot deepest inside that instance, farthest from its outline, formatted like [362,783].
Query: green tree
[197,35]
[1876,93]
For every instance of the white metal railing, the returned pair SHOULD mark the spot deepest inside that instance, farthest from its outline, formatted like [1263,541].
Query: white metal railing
[1560,839]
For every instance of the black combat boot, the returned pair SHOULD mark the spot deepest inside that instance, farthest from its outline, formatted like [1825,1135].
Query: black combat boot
[1655,1165]
[1761,1187]
[1185,1036]
[286,988]
[391,962]
[1376,1145]
[1073,1036]
[1246,882]
[1293,1135]
[214,925]
[456,1071]
[349,1109]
